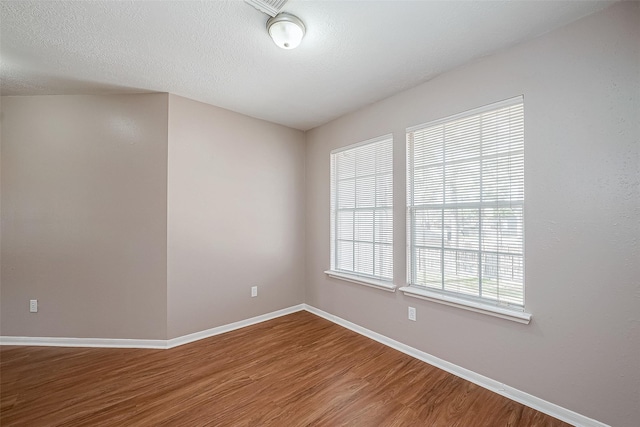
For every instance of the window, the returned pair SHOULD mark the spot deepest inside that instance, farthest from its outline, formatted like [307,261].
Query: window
[465,200]
[362,212]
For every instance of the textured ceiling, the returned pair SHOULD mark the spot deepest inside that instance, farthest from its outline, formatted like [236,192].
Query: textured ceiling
[218,52]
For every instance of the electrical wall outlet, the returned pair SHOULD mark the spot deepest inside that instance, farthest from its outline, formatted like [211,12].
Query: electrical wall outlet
[254,291]
[33,306]
[412,313]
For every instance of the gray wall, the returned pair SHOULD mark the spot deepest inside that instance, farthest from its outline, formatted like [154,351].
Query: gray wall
[84,216]
[582,109]
[235,216]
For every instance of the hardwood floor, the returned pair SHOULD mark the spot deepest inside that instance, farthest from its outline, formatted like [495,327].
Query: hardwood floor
[296,370]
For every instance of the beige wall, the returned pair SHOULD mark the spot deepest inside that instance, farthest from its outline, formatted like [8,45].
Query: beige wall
[235,216]
[87,185]
[582,109]
[84,216]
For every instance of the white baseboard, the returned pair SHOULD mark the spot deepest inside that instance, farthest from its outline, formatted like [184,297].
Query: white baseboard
[135,343]
[83,342]
[185,339]
[526,399]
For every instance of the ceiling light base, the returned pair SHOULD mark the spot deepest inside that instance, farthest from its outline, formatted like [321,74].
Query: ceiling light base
[286,30]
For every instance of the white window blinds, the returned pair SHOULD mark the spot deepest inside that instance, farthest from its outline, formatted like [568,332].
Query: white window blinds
[465,197]
[362,209]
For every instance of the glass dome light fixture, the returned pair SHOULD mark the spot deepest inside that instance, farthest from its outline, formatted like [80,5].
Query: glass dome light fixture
[286,30]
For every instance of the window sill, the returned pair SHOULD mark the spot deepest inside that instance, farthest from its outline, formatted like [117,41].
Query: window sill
[373,283]
[503,313]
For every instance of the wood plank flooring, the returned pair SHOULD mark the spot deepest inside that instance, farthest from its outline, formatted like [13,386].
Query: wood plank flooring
[297,370]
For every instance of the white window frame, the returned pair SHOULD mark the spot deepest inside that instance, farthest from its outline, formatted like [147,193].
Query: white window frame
[371,280]
[460,300]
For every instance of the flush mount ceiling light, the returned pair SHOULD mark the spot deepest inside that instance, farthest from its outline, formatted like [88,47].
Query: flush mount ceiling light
[286,30]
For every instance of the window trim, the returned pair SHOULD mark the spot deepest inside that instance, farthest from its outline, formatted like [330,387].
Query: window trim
[471,112]
[362,280]
[476,306]
[362,143]
[514,313]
